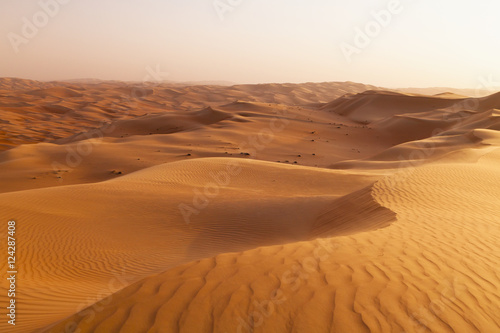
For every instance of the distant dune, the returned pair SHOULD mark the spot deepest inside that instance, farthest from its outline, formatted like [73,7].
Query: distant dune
[315,207]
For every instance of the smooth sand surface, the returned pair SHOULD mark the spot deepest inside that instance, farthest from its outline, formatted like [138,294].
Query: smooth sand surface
[331,207]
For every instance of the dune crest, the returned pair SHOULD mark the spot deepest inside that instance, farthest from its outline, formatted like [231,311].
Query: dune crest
[405,277]
[312,207]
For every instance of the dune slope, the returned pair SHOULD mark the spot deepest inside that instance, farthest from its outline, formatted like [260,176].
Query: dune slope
[316,207]
[433,270]
[94,239]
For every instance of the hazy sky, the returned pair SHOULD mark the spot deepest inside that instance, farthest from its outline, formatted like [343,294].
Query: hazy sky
[414,43]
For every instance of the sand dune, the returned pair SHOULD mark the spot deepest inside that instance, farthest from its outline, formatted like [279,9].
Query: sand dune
[319,207]
[415,275]
[55,92]
[463,136]
[109,100]
[111,227]
[370,106]
[118,99]
[265,131]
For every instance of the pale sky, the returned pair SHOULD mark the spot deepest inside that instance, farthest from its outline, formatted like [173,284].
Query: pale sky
[414,43]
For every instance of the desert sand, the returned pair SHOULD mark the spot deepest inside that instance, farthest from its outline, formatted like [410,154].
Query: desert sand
[315,207]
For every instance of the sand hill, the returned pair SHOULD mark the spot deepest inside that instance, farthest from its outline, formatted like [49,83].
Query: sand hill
[332,207]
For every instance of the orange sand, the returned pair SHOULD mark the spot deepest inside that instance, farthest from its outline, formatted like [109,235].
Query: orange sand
[329,207]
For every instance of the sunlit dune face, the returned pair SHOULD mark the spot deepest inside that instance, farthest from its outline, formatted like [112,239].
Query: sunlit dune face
[332,206]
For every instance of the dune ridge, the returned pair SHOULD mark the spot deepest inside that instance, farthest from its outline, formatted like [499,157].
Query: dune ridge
[311,207]
[405,277]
